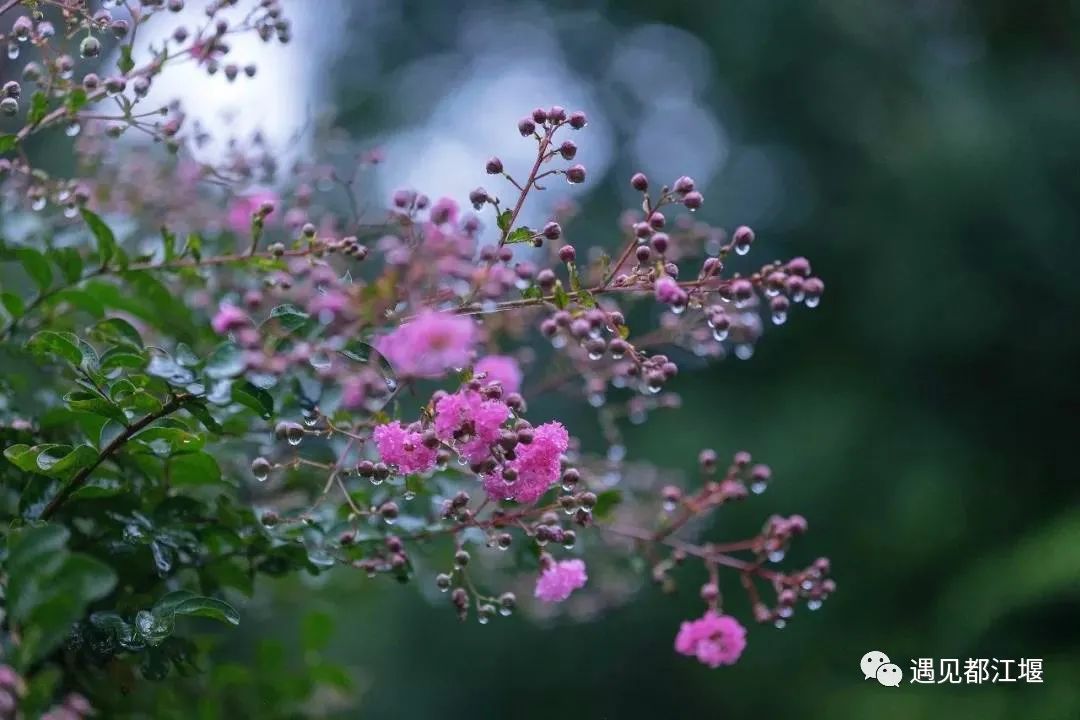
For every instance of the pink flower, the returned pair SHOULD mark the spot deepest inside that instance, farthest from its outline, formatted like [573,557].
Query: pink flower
[668,291]
[331,303]
[713,639]
[429,345]
[403,448]
[469,410]
[244,206]
[560,579]
[444,211]
[502,369]
[229,318]
[538,465]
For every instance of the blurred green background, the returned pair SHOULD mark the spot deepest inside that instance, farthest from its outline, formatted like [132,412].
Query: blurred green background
[922,418]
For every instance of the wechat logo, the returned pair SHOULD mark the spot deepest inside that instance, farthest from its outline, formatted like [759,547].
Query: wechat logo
[876,664]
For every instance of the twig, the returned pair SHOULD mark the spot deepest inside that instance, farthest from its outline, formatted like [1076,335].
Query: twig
[81,477]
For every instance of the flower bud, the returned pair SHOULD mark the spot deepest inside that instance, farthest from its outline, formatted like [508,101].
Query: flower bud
[639,182]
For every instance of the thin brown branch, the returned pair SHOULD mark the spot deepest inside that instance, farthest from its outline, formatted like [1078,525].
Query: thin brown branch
[81,477]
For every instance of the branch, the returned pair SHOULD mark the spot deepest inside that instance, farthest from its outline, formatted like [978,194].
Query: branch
[80,479]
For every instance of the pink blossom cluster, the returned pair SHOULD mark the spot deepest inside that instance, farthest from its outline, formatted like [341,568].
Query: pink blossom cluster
[482,425]
[560,579]
[537,466]
[403,448]
[713,639]
[429,345]
[475,421]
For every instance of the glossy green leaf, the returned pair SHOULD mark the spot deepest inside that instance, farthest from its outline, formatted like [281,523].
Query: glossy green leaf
[13,304]
[226,361]
[193,469]
[106,241]
[93,403]
[36,266]
[253,397]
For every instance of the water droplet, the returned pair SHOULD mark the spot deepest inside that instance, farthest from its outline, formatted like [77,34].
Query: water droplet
[813,604]
[595,355]
[409,495]
[670,505]
[757,488]
[786,612]
[678,309]
[776,556]
[505,611]
[812,301]
[720,335]
[294,435]
[71,211]
[779,623]
[376,480]
[744,351]
[616,453]
[779,318]
[311,418]
[807,585]
[12,51]
[39,203]
[742,249]
[596,400]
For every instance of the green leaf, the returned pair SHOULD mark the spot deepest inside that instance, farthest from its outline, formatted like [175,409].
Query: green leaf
[69,261]
[122,358]
[193,246]
[64,346]
[39,106]
[116,330]
[76,100]
[606,502]
[92,403]
[51,459]
[533,292]
[504,220]
[193,469]
[255,398]
[560,298]
[168,243]
[575,279]
[183,602]
[36,266]
[201,412]
[13,304]
[81,300]
[227,361]
[290,316]
[8,142]
[106,241]
[125,62]
[520,235]
[586,299]
[49,588]
[175,439]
